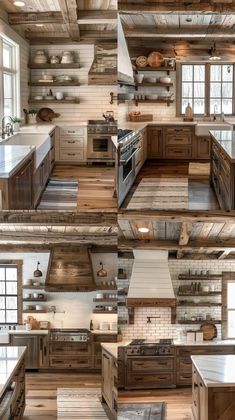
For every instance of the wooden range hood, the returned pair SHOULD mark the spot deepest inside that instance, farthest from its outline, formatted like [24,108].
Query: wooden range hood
[70,270]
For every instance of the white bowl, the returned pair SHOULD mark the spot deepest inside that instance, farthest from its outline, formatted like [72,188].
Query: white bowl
[164,79]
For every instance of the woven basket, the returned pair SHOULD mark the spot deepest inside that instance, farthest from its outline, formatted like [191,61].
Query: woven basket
[155,59]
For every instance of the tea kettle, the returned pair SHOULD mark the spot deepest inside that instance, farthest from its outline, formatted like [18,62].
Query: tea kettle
[109,116]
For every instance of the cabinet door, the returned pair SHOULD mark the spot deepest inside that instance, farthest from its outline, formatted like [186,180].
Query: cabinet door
[32,353]
[52,150]
[20,188]
[107,378]
[203,147]
[155,142]
[43,351]
[196,396]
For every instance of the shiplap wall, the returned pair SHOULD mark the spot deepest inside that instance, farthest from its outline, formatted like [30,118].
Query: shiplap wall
[24,58]
[94,100]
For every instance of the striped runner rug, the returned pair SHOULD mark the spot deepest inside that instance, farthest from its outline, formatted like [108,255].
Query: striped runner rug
[80,403]
[60,194]
[160,194]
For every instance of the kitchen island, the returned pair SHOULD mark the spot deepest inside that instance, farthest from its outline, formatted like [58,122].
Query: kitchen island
[109,376]
[12,382]
[213,388]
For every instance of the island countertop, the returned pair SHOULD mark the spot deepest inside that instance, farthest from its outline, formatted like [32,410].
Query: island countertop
[216,371]
[226,140]
[12,157]
[10,359]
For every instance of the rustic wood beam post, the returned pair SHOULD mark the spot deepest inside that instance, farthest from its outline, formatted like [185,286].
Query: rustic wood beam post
[70,15]
[185,232]
[33,18]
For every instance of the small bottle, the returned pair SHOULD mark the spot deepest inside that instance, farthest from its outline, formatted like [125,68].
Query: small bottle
[188,113]
[185,316]
[91,326]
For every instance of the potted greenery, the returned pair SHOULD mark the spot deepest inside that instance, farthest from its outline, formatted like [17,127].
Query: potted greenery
[31,116]
[16,123]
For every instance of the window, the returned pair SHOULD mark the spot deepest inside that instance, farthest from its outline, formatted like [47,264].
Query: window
[208,88]
[231,308]
[9,78]
[10,293]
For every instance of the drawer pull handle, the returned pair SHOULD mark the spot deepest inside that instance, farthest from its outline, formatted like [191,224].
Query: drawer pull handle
[195,385]
[71,154]
[71,142]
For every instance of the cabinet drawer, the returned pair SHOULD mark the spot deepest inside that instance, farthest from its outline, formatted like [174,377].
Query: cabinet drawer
[71,155]
[74,131]
[178,140]
[178,131]
[71,362]
[150,380]
[72,142]
[178,152]
[151,364]
[81,349]
[184,363]
[109,338]
[184,378]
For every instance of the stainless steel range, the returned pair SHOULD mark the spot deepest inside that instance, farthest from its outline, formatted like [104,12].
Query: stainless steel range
[150,364]
[99,144]
[129,145]
[70,335]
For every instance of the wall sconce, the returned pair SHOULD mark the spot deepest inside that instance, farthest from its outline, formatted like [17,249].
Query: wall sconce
[37,272]
[102,272]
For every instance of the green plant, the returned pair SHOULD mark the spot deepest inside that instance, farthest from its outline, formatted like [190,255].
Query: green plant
[15,120]
[32,111]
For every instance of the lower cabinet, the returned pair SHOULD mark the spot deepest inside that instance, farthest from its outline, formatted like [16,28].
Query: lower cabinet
[109,381]
[203,147]
[70,355]
[20,188]
[40,178]
[17,392]
[155,142]
[97,349]
[32,344]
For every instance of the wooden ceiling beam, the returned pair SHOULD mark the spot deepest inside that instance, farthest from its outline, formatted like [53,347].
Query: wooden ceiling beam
[174,246]
[182,7]
[70,15]
[56,37]
[34,18]
[185,232]
[184,34]
[223,255]
[97,17]
[215,216]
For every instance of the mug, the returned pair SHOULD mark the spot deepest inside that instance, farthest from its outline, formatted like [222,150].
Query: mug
[59,95]
[35,295]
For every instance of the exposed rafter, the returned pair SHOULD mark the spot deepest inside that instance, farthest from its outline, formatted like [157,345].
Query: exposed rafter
[97,17]
[69,13]
[183,7]
[186,229]
[34,18]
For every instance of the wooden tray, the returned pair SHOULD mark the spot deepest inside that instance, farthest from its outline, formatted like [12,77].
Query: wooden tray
[209,330]
[140,118]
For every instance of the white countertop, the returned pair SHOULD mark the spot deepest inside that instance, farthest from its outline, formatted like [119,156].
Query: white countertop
[25,332]
[115,141]
[216,371]
[10,358]
[206,343]
[12,157]
[111,348]
[108,332]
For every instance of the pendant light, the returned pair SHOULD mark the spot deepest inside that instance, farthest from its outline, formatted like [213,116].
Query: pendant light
[214,55]
[102,272]
[37,272]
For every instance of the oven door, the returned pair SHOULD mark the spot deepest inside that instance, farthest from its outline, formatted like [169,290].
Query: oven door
[99,147]
[126,176]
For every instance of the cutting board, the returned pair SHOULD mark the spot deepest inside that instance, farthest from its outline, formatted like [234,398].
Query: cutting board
[141,411]
[209,331]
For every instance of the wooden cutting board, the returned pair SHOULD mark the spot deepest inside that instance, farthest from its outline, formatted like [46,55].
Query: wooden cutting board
[209,330]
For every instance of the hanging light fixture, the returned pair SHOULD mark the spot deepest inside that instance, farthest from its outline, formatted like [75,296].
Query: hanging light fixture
[214,54]
[37,272]
[102,272]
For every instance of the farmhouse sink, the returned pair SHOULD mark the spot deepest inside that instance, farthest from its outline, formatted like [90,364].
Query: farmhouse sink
[42,142]
[203,128]
[4,337]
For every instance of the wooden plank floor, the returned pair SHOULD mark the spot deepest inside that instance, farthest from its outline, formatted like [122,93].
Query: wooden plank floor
[201,195]
[178,401]
[96,186]
[41,391]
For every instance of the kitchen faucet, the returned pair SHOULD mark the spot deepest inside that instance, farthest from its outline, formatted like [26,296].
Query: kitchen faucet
[6,129]
[215,111]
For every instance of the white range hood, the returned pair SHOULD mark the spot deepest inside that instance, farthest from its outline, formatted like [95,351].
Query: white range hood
[150,283]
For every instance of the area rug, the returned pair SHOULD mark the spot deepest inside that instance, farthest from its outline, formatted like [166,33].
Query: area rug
[142,411]
[160,193]
[59,194]
[80,403]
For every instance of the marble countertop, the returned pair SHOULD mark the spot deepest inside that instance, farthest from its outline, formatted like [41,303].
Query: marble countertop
[111,348]
[25,332]
[216,371]
[10,358]
[108,332]
[226,139]
[12,157]
[206,343]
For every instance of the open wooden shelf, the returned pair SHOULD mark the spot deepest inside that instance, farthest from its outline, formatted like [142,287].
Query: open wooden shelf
[105,300]
[148,68]
[197,322]
[104,312]
[200,294]
[157,84]
[35,299]
[108,288]
[28,287]
[54,84]
[54,66]
[34,311]
[199,304]
[53,101]
[199,277]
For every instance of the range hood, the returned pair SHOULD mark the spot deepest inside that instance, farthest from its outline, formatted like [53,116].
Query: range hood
[70,270]
[125,69]
[150,283]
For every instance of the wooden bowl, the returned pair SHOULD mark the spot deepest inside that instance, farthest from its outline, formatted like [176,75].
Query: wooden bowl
[155,59]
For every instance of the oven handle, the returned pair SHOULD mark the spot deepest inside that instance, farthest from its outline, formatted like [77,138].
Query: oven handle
[123,162]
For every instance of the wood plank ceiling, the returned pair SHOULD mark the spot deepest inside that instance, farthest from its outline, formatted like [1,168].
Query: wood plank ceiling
[66,20]
[186,236]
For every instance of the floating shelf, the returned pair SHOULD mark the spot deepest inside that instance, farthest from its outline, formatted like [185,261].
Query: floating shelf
[35,299]
[34,311]
[28,287]
[54,84]
[53,101]
[199,277]
[167,69]
[54,66]
[198,322]
[200,294]
[104,312]
[199,304]
[108,288]
[105,300]
[157,84]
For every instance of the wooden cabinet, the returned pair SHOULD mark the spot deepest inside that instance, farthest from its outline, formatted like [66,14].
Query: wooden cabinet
[155,142]
[71,145]
[18,402]
[178,142]
[109,381]
[40,178]
[121,367]
[43,351]
[223,177]
[203,147]
[74,355]
[20,188]
[52,150]
[97,349]
[32,352]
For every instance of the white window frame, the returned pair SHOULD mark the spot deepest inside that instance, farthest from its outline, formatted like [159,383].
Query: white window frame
[14,70]
[229,310]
